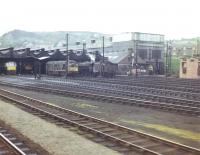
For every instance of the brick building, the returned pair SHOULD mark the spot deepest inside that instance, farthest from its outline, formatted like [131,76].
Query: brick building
[190,68]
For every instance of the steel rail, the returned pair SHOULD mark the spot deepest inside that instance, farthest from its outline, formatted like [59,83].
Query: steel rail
[139,88]
[150,104]
[36,106]
[126,93]
[155,91]
[151,85]
[160,93]
[149,79]
[11,147]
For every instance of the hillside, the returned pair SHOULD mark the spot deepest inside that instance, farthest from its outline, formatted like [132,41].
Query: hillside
[23,39]
[49,40]
[190,42]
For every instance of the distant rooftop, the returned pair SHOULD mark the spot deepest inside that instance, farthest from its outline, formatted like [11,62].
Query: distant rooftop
[128,36]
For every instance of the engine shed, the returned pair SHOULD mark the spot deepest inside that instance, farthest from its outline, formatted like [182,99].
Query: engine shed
[33,61]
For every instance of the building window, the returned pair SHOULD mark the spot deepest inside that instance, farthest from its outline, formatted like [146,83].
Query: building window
[198,69]
[184,68]
[156,54]
[142,54]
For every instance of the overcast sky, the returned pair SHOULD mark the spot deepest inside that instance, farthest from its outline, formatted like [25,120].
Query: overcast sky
[173,18]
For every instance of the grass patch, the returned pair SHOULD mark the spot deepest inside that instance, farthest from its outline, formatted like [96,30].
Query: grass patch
[169,130]
[85,105]
[175,65]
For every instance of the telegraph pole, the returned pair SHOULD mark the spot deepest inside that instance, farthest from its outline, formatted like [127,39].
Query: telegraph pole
[136,61]
[103,57]
[84,47]
[67,55]
[198,46]
[170,59]
[166,60]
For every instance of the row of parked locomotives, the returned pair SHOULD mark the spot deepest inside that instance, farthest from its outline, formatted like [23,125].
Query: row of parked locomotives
[12,68]
[8,68]
[85,68]
[106,69]
[58,68]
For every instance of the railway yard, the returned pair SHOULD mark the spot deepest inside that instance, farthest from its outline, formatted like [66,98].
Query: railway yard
[84,115]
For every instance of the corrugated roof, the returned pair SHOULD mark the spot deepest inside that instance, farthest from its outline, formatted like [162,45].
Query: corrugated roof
[116,57]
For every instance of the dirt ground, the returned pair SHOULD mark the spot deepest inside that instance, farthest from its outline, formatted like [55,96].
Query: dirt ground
[178,128]
[56,140]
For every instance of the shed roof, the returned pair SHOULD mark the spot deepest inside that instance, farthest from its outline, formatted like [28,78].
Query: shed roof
[117,57]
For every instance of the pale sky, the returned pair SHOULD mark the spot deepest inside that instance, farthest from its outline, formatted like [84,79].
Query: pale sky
[173,18]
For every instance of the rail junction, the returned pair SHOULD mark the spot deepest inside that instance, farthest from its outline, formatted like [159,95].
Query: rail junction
[120,138]
[132,92]
[98,91]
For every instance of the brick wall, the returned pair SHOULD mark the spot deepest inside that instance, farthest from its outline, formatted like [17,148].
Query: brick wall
[189,68]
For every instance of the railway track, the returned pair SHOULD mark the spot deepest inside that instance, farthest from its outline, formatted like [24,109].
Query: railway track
[186,82]
[123,93]
[160,80]
[91,88]
[190,83]
[119,138]
[10,145]
[181,109]
[155,93]
[151,84]
[138,89]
